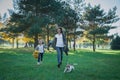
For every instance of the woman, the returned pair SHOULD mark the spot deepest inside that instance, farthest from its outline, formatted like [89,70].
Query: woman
[60,43]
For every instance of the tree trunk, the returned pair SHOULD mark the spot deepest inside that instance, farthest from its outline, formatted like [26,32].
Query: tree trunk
[36,35]
[70,40]
[36,40]
[13,42]
[74,42]
[26,44]
[17,43]
[66,35]
[48,36]
[94,42]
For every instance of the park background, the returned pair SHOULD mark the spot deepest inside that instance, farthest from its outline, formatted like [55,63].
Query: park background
[92,32]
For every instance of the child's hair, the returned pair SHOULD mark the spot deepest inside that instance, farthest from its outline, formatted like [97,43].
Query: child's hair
[41,40]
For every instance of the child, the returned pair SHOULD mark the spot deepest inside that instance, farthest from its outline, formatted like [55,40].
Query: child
[40,48]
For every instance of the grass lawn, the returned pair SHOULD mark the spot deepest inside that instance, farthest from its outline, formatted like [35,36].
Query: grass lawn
[19,64]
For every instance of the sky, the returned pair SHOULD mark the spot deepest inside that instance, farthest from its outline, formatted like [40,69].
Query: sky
[105,4]
[5,5]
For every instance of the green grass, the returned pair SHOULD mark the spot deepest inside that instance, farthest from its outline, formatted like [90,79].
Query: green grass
[19,64]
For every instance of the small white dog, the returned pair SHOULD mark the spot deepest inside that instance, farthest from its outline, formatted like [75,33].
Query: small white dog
[69,68]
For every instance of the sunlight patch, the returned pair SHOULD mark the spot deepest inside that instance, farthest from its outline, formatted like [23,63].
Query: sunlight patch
[71,53]
[109,52]
[9,52]
[1,51]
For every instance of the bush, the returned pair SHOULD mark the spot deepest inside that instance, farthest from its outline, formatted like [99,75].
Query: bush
[115,44]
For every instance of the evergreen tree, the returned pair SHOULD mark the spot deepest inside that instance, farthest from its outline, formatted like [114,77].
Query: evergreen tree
[31,16]
[97,22]
[115,44]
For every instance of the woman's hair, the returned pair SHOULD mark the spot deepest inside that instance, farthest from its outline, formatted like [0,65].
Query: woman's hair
[60,29]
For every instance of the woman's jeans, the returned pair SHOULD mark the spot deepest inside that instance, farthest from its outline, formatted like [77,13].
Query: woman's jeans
[59,54]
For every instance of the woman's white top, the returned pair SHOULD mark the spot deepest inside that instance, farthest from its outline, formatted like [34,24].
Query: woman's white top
[59,42]
[40,48]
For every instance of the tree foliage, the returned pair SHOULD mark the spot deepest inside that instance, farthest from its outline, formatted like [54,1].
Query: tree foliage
[98,22]
[115,44]
[31,16]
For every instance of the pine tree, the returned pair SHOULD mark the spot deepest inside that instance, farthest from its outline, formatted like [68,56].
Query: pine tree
[115,44]
[31,16]
[97,22]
